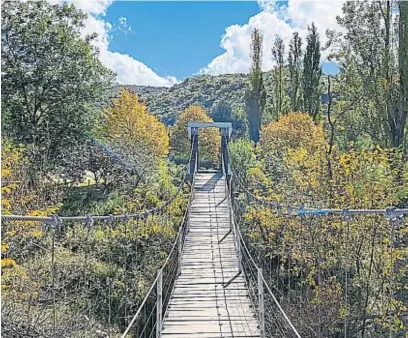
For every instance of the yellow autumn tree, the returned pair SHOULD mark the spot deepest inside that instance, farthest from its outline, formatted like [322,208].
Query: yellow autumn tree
[293,130]
[209,138]
[138,134]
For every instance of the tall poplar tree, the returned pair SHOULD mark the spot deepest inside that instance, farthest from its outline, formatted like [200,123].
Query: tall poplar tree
[255,95]
[278,52]
[371,34]
[295,75]
[311,74]
[403,69]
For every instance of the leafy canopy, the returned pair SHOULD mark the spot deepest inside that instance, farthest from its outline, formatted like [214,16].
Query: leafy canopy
[136,133]
[53,84]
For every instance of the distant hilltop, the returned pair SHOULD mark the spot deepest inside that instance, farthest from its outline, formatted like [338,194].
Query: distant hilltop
[204,90]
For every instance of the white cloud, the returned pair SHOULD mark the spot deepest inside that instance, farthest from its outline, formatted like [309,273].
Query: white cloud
[123,24]
[129,70]
[96,7]
[296,15]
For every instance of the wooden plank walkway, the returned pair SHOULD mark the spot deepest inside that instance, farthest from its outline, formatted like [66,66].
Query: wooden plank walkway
[202,304]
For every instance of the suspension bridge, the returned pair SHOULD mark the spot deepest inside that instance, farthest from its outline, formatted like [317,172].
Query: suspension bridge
[210,285]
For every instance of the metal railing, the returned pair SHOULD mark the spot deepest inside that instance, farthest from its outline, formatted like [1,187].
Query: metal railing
[148,320]
[272,319]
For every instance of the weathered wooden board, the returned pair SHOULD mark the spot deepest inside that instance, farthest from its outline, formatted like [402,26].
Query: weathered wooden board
[205,302]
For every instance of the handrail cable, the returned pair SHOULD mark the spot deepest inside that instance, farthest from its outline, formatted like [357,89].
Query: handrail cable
[252,260]
[390,212]
[86,218]
[176,242]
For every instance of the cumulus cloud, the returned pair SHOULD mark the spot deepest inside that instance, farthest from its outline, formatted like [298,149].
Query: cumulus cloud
[274,19]
[129,70]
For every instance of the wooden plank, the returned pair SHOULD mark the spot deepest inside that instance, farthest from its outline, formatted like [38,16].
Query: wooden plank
[210,298]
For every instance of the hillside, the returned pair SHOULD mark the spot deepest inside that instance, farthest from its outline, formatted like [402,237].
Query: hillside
[204,90]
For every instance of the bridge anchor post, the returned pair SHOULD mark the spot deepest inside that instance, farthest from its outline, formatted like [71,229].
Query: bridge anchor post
[159,306]
[261,304]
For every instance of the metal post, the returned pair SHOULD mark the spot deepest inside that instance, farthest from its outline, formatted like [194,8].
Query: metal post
[261,304]
[159,307]
[180,251]
[197,154]
[239,253]
[54,322]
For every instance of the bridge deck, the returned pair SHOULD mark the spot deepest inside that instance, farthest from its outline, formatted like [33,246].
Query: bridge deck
[202,304]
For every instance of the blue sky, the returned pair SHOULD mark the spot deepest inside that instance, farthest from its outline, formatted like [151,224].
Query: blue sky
[162,43]
[183,37]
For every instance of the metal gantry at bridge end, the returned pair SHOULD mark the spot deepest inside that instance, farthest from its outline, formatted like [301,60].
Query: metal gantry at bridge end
[225,129]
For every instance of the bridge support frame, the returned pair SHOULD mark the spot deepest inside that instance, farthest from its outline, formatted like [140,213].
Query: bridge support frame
[159,306]
[226,132]
[261,304]
[225,164]
[194,155]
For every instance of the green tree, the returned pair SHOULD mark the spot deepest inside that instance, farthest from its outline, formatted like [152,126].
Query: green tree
[311,74]
[295,71]
[53,84]
[368,44]
[255,95]
[242,157]
[222,113]
[403,69]
[279,78]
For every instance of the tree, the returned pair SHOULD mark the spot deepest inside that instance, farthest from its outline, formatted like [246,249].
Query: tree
[311,74]
[222,112]
[53,84]
[242,157]
[403,71]
[255,95]
[368,44]
[209,139]
[295,67]
[293,130]
[278,52]
[136,134]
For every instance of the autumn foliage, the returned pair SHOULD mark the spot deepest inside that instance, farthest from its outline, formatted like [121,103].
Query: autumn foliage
[209,138]
[130,125]
[292,131]
[355,263]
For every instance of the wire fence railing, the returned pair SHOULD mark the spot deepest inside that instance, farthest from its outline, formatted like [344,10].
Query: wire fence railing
[285,267]
[391,212]
[97,296]
[148,320]
[56,220]
[272,319]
